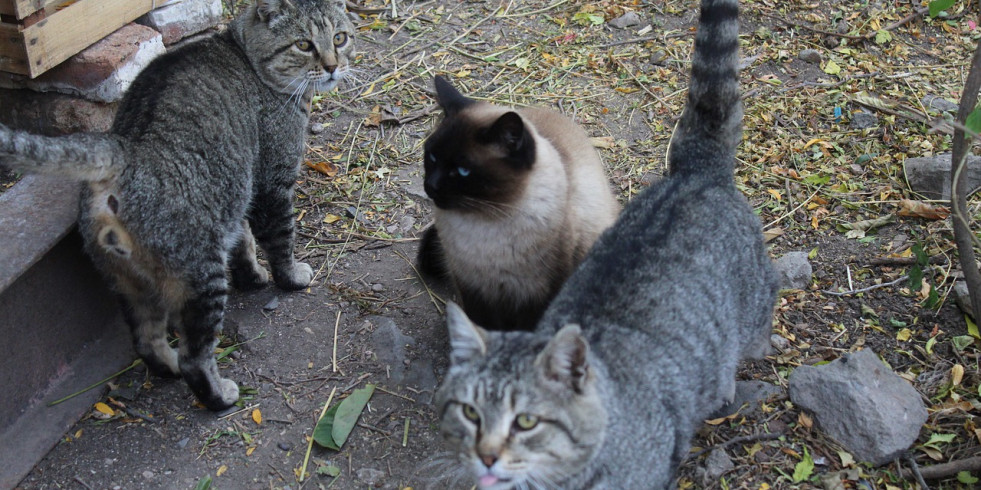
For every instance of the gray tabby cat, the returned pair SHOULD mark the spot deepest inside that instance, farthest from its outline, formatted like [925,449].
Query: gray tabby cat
[643,341]
[200,165]
[520,196]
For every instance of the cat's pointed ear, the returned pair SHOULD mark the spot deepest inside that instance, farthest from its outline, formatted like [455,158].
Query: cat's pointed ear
[270,10]
[448,97]
[467,341]
[565,358]
[509,132]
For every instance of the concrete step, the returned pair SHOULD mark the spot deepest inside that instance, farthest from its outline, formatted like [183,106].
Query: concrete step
[60,324]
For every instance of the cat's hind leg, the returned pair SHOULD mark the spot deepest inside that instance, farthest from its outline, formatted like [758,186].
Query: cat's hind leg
[147,320]
[201,320]
[246,272]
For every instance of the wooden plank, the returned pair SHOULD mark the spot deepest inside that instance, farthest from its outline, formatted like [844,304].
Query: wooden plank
[23,8]
[13,54]
[69,30]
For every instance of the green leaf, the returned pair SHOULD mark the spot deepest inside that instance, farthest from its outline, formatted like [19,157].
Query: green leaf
[933,300]
[973,121]
[203,484]
[813,253]
[332,430]
[804,468]
[922,259]
[817,179]
[882,36]
[961,342]
[966,477]
[936,439]
[930,343]
[972,328]
[937,6]
[915,276]
[329,470]
[832,68]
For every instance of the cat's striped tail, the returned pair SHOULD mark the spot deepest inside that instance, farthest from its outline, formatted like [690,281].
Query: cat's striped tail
[705,139]
[82,156]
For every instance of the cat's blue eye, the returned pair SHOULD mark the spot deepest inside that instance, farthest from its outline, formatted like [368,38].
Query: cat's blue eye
[463,171]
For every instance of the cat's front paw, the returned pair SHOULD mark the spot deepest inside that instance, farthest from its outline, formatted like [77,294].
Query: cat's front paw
[294,278]
[247,279]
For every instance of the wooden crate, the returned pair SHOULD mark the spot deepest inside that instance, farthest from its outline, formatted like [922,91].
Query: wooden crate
[36,35]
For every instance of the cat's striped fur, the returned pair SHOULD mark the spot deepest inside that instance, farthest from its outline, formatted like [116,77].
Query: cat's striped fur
[643,340]
[202,157]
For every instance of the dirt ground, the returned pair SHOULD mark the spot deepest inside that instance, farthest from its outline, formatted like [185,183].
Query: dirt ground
[370,319]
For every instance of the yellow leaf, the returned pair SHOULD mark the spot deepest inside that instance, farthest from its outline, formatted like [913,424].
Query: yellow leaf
[721,419]
[775,193]
[602,142]
[221,470]
[764,486]
[832,68]
[813,141]
[814,222]
[772,233]
[805,420]
[257,416]
[78,434]
[904,335]
[812,205]
[956,375]
[371,88]
[106,409]
[462,74]
[331,218]
[250,450]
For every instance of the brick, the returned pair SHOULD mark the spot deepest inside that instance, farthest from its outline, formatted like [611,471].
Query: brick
[52,113]
[178,20]
[103,71]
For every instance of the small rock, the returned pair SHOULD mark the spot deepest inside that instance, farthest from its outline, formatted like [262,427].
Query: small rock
[861,403]
[963,298]
[183,442]
[371,477]
[717,464]
[810,56]
[316,128]
[658,57]
[272,304]
[779,342]
[148,474]
[794,270]
[863,120]
[626,20]
[406,224]
[938,104]
[377,288]
[388,343]
[930,176]
[285,446]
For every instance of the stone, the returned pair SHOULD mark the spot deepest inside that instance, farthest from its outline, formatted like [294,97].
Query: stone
[628,19]
[930,176]
[371,477]
[272,304]
[53,114]
[858,401]
[316,128]
[810,56]
[962,296]
[779,343]
[794,270]
[717,464]
[863,120]
[103,71]
[934,103]
[178,20]
[388,343]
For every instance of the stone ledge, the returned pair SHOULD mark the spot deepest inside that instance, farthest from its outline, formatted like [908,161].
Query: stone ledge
[178,20]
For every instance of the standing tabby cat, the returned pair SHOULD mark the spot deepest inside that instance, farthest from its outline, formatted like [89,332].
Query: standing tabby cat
[643,340]
[520,197]
[199,165]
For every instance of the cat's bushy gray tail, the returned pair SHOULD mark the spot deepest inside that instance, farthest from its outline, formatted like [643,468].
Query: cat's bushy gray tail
[83,156]
[705,139]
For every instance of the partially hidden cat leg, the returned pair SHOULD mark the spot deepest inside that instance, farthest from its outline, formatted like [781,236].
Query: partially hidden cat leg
[147,320]
[247,273]
[271,220]
[201,320]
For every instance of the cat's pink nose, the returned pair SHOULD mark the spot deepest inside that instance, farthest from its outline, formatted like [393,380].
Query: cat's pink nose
[488,459]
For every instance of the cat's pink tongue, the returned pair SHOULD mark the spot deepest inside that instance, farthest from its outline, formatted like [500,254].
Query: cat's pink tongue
[487,480]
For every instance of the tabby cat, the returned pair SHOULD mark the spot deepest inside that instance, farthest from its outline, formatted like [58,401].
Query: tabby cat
[520,197]
[200,165]
[643,341]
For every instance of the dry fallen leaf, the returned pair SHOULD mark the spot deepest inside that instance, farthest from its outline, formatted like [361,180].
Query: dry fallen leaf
[105,409]
[257,416]
[326,168]
[771,234]
[920,209]
[221,470]
[805,420]
[602,142]
[956,374]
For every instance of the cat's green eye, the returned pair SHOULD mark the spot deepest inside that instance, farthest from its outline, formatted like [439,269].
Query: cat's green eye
[304,45]
[526,421]
[471,413]
[340,39]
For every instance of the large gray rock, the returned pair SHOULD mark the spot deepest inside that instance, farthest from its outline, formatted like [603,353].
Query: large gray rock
[861,403]
[388,343]
[930,176]
[794,270]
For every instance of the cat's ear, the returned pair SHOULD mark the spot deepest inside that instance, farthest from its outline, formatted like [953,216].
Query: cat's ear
[270,10]
[509,132]
[564,359]
[448,97]
[467,341]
